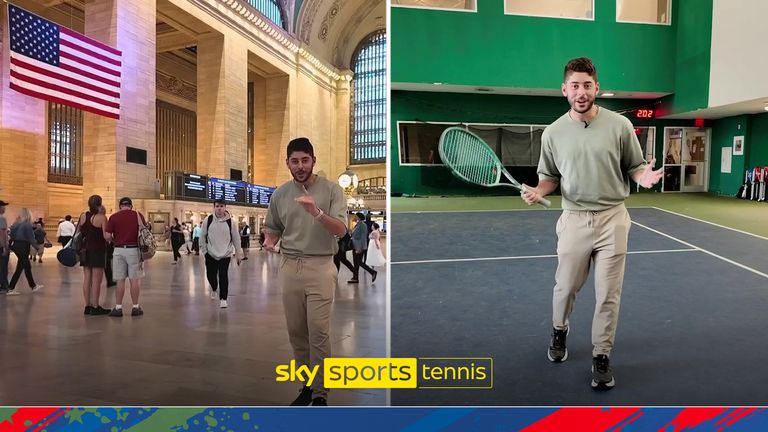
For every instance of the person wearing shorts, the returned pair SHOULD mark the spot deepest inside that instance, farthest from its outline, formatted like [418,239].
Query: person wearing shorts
[123,231]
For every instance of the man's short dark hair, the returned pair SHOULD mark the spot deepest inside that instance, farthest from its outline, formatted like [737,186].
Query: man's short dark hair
[300,145]
[125,201]
[219,201]
[581,64]
[68,217]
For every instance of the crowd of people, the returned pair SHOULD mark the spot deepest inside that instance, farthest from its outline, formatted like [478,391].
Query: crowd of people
[306,224]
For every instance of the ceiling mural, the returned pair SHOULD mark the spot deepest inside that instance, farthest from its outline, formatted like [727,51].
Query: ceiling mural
[332,29]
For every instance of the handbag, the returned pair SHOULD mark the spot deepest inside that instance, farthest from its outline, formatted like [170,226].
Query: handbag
[346,243]
[146,240]
[67,256]
[73,251]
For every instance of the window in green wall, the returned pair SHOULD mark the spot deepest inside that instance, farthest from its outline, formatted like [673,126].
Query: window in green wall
[368,117]
[644,11]
[460,5]
[515,145]
[572,9]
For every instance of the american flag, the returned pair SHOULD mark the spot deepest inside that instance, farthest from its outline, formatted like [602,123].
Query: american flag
[54,63]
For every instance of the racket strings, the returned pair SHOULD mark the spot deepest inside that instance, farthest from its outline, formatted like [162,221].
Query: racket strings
[473,161]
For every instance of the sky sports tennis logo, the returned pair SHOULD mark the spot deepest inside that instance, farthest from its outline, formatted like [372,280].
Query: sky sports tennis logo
[425,372]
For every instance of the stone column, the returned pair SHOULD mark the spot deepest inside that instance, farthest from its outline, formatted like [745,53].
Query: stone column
[341,137]
[222,97]
[129,26]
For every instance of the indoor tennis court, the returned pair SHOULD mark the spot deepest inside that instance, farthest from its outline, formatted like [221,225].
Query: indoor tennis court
[479,284]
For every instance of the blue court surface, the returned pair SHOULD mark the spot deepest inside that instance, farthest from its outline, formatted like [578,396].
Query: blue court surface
[479,284]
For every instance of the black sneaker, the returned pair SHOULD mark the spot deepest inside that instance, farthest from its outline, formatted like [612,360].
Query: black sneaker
[373,276]
[319,401]
[116,313]
[557,352]
[304,398]
[602,375]
[111,284]
[137,311]
[87,310]
[98,310]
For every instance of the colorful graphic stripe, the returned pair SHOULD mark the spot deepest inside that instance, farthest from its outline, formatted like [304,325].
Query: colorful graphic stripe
[221,419]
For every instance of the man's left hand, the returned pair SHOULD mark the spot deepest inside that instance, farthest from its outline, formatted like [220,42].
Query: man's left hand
[308,203]
[648,177]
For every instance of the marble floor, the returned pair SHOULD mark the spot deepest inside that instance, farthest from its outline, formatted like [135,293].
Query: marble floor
[185,350]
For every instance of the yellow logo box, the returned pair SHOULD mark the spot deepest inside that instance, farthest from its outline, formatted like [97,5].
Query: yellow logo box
[370,372]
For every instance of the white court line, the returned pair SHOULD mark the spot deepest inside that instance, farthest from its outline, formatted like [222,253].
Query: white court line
[759,273]
[530,257]
[711,223]
[496,211]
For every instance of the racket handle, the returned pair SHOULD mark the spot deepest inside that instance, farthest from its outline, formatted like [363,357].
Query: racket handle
[543,201]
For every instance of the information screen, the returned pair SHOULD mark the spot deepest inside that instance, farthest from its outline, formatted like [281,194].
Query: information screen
[194,186]
[259,195]
[232,191]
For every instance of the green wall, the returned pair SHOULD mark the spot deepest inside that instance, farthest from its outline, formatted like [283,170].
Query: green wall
[723,131]
[488,48]
[756,146]
[692,57]
[754,128]
[479,108]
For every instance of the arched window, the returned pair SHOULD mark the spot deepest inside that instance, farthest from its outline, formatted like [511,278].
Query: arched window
[368,117]
[270,9]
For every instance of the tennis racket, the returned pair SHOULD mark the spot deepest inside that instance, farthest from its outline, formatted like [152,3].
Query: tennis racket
[471,160]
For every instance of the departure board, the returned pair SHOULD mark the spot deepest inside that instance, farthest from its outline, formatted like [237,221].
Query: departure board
[231,191]
[259,195]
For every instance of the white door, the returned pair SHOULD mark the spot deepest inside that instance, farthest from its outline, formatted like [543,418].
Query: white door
[695,160]
[673,142]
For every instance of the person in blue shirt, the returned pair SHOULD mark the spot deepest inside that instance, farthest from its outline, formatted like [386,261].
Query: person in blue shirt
[22,240]
[360,245]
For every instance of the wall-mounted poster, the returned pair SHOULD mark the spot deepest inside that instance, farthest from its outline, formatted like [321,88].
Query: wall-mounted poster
[738,145]
[725,160]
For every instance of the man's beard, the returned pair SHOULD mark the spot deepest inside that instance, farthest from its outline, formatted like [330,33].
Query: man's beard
[307,176]
[590,104]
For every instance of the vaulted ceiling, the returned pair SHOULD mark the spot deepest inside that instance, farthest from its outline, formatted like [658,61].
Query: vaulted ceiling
[332,29]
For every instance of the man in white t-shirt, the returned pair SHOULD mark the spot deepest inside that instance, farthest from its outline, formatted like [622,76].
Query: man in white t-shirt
[66,230]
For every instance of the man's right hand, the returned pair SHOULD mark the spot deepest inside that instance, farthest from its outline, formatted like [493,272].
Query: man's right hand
[270,240]
[530,195]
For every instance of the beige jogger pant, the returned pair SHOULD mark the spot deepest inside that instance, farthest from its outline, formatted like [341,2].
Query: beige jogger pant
[586,238]
[308,285]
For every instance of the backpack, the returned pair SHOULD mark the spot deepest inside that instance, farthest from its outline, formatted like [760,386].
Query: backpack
[147,244]
[208,226]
